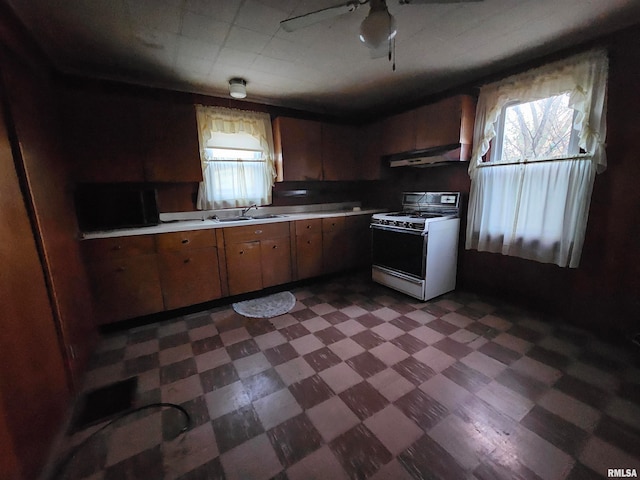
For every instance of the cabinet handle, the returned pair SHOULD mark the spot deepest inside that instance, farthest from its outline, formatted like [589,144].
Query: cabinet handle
[185,241]
[308,226]
[308,242]
[117,247]
[241,252]
[120,269]
[258,232]
[274,247]
[187,260]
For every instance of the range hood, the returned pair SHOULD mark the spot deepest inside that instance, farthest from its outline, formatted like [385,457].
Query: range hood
[457,152]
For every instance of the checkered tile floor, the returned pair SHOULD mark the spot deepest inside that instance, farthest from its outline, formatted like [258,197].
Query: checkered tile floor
[358,382]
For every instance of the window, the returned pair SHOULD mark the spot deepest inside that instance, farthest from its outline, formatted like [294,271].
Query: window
[538,143]
[537,130]
[236,149]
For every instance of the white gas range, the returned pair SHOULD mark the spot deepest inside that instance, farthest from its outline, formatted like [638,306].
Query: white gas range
[415,251]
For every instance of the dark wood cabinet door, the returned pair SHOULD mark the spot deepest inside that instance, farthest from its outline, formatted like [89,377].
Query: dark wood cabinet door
[276,261]
[189,276]
[339,152]
[309,255]
[398,133]
[333,244]
[171,148]
[446,122]
[438,124]
[105,136]
[357,241]
[125,288]
[333,251]
[298,146]
[243,267]
[370,151]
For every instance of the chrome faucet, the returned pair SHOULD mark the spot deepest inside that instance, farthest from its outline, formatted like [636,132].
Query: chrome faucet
[245,210]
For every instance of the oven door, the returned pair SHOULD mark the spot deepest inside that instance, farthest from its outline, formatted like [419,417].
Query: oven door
[398,250]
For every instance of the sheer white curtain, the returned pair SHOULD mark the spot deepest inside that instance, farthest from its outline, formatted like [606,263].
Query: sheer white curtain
[235,180]
[532,209]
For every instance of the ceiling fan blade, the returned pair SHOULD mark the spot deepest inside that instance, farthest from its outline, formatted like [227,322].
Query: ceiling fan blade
[425,2]
[295,23]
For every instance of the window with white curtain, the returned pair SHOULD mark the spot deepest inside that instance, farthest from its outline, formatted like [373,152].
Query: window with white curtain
[538,144]
[236,150]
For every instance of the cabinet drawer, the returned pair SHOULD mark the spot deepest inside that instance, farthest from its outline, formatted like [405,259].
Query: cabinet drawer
[332,224]
[252,233]
[120,247]
[305,227]
[188,239]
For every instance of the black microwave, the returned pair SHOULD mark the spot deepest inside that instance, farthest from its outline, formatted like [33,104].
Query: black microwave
[113,206]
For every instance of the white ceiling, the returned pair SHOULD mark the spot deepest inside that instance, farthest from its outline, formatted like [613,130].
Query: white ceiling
[198,45]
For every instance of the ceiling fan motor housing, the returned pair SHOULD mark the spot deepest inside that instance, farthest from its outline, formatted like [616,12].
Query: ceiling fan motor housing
[378,27]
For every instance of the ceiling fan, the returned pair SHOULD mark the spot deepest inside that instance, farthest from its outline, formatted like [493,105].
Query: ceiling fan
[377,30]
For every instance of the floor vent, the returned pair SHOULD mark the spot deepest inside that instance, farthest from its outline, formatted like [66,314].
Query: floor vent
[104,403]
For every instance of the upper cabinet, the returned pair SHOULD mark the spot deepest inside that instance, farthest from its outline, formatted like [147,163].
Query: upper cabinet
[171,150]
[339,152]
[311,150]
[297,144]
[446,122]
[369,151]
[104,137]
[114,137]
[398,133]
[449,121]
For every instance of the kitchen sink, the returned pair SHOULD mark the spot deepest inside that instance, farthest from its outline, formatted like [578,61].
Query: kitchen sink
[267,215]
[242,218]
[234,219]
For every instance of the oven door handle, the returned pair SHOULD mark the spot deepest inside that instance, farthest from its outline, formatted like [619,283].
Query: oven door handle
[399,230]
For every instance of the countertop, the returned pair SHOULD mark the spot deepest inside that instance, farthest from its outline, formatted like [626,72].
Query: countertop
[184,225]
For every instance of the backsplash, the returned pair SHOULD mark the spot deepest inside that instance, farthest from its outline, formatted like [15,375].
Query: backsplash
[182,197]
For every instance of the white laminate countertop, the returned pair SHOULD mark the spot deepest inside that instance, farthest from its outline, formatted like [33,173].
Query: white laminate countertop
[185,225]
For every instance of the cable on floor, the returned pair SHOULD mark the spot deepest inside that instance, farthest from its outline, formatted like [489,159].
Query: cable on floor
[59,472]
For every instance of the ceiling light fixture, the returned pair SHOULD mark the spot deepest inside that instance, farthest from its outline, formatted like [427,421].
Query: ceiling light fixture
[378,27]
[238,87]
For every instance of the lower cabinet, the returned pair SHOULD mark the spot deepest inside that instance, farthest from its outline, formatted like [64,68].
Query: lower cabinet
[333,244]
[189,271]
[257,256]
[308,248]
[275,259]
[139,275]
[125,277]
[357,241]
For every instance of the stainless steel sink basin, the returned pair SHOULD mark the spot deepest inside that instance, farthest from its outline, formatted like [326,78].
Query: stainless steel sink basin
[242,218]
[234,219]
[267,215]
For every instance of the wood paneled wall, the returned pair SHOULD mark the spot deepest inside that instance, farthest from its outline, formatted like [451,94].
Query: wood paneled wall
[603,294]
[46,322]
[33,383]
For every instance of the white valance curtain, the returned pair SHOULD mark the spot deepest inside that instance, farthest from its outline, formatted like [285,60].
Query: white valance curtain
[235,182]
[539,210]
